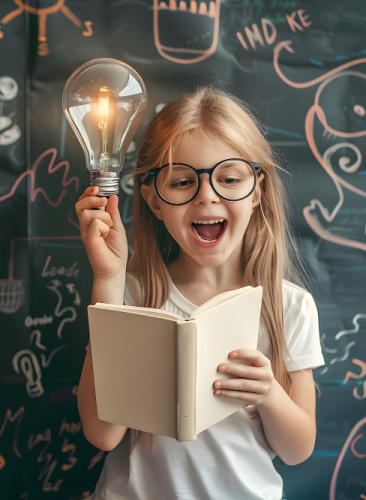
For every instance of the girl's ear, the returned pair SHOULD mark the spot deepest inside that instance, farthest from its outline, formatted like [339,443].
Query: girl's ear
[257,193]
[149,195]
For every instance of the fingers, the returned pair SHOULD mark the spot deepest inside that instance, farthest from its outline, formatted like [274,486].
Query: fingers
[88,209]
[250,357]
[87,201]
[96,229]
[243,371]
[248,398]
[239,384]
[251,376]
[90,191]
[112,209]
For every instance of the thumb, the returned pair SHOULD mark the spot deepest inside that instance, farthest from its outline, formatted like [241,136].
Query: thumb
[112,209]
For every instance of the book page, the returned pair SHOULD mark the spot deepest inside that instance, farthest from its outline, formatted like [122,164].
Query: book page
[218,299]
[146,311]
[134,369]
[234,324]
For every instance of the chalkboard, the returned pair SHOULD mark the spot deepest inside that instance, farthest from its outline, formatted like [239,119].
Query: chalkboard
[301,65]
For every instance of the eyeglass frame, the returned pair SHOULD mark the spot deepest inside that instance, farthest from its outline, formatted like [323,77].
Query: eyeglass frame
[255,166]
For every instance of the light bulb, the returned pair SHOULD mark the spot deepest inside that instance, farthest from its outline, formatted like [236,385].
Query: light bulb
[105,101]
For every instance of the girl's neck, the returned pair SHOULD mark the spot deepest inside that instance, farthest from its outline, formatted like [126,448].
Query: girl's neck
[200,283]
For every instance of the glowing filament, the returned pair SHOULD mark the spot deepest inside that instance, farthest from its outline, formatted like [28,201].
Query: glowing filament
[103,111]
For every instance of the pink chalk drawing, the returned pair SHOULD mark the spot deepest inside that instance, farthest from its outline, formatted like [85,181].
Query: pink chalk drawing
[30,176]
[351,462]
[344,121]
[197,29]
[11,289]
[357,376]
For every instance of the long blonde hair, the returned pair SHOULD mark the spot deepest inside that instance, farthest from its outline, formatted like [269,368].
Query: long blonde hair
[267,240]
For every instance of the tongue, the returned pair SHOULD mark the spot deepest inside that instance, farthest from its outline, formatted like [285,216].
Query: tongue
[209,231]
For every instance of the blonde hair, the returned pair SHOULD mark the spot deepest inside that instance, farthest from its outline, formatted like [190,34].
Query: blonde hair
[267,240]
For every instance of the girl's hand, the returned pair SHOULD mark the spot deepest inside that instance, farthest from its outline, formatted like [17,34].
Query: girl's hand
[102,233]
[255,382]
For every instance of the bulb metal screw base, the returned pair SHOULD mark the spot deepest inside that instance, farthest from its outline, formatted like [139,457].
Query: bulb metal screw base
[108,182]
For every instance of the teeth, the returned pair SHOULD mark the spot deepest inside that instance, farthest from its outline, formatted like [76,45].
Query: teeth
[213,221]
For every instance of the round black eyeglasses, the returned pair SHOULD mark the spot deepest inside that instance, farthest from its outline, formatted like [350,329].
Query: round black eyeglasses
[233,179]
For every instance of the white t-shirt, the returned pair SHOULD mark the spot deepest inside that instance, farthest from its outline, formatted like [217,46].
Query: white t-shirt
[230,460]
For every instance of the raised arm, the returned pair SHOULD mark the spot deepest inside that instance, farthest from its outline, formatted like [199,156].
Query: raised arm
[104,237]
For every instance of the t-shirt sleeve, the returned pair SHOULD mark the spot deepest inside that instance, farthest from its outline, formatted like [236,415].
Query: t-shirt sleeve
[302,333]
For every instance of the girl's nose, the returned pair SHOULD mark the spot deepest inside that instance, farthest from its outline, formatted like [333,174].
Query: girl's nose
[205,193]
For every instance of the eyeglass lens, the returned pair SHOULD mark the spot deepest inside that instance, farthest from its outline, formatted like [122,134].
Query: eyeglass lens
[232,180]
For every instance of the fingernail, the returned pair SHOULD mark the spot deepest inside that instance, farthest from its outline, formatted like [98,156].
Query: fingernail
[234,354]
[217,384]
[223,368]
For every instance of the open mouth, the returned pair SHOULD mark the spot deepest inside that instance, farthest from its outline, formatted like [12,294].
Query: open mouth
[209,231]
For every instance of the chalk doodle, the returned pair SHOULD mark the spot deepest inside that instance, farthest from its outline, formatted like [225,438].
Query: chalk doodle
[46,160]
[37,343]
[56,450]
[350,465]
[348,177]
[9,131]
[341,351]
[265,32]
[59,310]
[26,362]
[12,291]
[11,418]
[43,13]
[357,376]
[197,29]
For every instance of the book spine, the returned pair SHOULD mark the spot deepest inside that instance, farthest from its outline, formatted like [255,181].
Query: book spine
[186,380]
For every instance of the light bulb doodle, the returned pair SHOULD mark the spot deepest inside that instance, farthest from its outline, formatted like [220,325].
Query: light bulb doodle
[196,29]
[43,13]
[104,101]
[26,362]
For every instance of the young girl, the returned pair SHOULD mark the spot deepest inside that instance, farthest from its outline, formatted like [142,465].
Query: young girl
[208,217]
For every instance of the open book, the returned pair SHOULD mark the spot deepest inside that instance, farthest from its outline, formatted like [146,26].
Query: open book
[154,371]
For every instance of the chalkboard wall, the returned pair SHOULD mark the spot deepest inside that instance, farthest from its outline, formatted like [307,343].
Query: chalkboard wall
[302,66]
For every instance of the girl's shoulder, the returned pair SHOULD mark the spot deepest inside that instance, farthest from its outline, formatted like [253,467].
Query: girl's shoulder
[301,328]
[291,290]
[296,299]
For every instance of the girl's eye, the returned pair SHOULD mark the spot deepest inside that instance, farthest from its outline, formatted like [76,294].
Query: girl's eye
[230,181]
[181,183]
